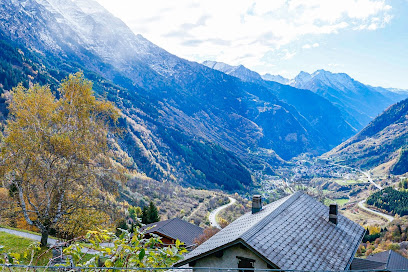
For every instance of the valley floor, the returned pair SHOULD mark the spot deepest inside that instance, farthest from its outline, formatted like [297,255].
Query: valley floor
[332,182]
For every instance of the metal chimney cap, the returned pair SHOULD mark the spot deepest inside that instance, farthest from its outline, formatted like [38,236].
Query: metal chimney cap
[256,203]
[333,212]
[333,208]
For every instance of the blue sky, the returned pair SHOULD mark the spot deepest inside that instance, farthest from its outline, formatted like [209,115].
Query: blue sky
[367,39]
[377,57]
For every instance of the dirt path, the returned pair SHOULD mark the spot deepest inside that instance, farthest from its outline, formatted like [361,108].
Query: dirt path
[213,215]
[198,208]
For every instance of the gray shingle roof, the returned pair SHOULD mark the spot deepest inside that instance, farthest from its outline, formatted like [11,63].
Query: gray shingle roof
[364,264]
[391,260]
[292,233]
[177,229]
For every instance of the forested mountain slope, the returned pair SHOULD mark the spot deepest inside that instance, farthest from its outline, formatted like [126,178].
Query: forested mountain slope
[385,139]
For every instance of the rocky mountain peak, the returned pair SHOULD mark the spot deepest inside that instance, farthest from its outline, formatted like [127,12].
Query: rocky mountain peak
[239,71]
[277,78]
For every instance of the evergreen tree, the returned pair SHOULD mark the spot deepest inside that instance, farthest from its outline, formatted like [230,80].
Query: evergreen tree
[145,215]
[150,214]
[121,225]
[153,213]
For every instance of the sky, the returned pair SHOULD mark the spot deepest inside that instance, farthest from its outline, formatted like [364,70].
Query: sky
[367,39]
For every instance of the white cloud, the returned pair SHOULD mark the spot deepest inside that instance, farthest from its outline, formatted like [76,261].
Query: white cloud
[287,54]
[308,46]
[375,23]
[244,31]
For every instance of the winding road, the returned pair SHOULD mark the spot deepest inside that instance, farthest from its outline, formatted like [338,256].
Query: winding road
[367,174]
[386,216]
[213,215]
[361,203]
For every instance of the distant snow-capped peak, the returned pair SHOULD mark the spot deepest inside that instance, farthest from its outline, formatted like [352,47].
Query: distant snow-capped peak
[339,81]
[302,80]
[239,71]
[277,78]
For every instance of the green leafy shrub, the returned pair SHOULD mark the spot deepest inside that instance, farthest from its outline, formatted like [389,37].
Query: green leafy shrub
[26,257]
[127,250]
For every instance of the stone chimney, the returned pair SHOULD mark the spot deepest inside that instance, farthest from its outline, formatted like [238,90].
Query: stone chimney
[333,210]
[256,203]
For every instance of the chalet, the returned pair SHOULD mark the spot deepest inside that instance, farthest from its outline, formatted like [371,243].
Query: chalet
[294,233]
[384,261]
[172,229]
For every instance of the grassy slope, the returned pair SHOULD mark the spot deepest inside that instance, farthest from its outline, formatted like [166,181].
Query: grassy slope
[16,244]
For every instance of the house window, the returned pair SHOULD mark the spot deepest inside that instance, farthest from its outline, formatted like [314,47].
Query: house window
[245,263]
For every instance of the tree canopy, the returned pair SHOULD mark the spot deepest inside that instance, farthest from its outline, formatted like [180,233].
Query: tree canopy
[55,150]
[390,200]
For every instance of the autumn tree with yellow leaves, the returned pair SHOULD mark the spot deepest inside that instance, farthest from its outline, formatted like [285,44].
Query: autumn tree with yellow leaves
[55,150]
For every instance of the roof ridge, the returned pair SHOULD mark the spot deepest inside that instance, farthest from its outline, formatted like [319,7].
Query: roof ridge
[262,223]
[388,259]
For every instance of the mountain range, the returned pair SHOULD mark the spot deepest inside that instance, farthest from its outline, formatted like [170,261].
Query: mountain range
[184,122]
[358,103]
